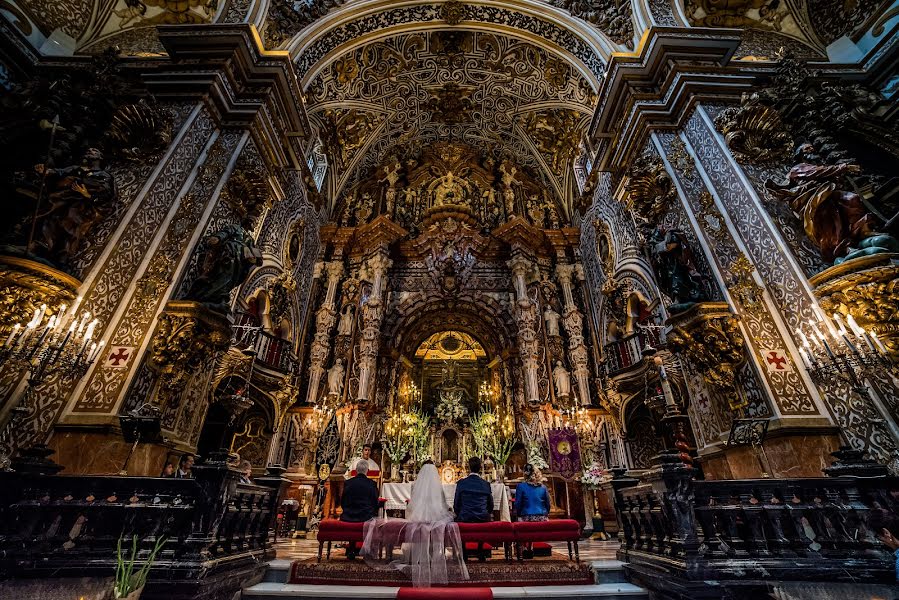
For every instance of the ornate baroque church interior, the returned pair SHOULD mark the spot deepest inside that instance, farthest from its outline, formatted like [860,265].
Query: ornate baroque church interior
[260,254]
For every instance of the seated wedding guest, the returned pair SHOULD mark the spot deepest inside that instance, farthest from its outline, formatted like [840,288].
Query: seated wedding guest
[168,470]
[185,467]
[531,500]
[359,501]
[246,471]
[473,501]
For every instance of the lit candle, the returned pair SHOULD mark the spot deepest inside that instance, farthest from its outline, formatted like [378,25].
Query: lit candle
[876,339]
[12,335]
[802,336]
[823,318]
[868,341]
[805,359]
[843,334]
[60,314]
[854,326]
[40,317]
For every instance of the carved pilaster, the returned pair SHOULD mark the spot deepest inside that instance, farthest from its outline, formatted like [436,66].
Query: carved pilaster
[372,313]
[324,322]
[528,346]
[708,335]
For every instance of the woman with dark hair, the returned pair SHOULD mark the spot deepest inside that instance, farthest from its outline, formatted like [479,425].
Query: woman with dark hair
[531,500]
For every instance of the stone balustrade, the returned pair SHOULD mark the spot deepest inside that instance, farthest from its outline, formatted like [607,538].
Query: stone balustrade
[745,532]
[218,531]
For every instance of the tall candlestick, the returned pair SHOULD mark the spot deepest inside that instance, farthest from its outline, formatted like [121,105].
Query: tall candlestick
[854,326]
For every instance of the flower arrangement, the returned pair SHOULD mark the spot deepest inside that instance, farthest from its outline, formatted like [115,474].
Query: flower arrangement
[535,456]
[493,435]
[405,432]
[450,410]
[593,476]
[129,584]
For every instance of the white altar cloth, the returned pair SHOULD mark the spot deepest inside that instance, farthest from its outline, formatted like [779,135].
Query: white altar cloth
[397,494]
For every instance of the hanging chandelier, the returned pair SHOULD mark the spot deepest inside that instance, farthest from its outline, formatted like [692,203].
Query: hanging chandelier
[53,343]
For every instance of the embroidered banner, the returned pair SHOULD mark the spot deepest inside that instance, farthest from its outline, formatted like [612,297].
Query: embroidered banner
[564,453]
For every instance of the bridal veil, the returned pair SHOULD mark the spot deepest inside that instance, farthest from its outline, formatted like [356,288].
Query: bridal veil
[428,538]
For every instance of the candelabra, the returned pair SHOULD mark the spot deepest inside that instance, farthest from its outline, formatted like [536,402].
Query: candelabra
[831,350]
[60,344]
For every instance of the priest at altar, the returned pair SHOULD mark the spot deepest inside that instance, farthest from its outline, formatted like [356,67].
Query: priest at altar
[374,470]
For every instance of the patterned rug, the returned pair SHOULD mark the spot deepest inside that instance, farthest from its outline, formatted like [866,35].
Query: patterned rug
[496,572]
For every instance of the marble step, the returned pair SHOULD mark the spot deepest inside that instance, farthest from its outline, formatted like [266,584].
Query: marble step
[599,591]
[608,571]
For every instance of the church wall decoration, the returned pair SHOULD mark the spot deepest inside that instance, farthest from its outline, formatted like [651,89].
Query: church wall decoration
[107,283]
[790,294]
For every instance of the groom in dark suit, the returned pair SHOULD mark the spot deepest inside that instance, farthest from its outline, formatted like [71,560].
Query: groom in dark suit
[473,502]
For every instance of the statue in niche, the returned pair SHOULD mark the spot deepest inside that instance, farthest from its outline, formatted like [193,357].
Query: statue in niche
[562,380]
[366,207]
[448,191]
[335,378]
[226,259]
[675,268]
[390,201]
[80,197]
[552,321]
[834,218]
[345,325]
[350,207]
[536,212]
[449,445]
[509,198]
[553,215]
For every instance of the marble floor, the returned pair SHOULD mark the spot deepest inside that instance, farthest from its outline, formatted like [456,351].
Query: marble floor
[590,550]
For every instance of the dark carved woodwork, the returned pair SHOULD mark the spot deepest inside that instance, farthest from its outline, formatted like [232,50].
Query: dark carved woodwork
[217,530]
[739,533]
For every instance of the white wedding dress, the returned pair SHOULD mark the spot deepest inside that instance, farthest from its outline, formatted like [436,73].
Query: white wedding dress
[429,539]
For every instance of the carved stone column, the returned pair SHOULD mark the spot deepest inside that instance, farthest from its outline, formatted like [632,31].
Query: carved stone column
[526,315]
[372,313]
[324,322]
[574,326]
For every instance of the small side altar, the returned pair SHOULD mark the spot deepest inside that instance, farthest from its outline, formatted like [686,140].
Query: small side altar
[398,494]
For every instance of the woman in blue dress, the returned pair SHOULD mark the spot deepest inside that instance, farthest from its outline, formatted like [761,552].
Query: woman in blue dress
[531,500]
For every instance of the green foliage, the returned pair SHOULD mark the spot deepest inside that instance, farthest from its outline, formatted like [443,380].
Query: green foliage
[491,436]
[126,580]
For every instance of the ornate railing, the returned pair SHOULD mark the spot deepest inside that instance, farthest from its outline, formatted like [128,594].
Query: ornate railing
[760,529]
[218,531]
[627,352]
[272,352]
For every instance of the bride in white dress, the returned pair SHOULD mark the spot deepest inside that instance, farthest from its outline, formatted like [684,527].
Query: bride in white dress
[430,542]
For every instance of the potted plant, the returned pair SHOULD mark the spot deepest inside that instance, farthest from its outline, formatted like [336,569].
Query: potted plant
[129,584]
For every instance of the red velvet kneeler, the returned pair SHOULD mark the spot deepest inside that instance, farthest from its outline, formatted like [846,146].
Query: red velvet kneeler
[453,593]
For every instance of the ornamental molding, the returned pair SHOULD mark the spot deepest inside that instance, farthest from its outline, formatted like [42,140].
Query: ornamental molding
[554,29]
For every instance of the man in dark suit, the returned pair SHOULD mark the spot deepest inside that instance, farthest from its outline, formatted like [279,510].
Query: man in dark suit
[473,502]
[359,501]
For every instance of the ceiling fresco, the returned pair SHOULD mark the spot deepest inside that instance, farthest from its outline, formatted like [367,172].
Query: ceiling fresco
[495,92]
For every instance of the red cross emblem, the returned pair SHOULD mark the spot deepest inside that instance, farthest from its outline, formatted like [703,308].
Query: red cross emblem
[776,360]
[118,357]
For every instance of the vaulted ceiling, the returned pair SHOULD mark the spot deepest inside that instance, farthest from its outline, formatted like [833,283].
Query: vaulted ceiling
[492,91]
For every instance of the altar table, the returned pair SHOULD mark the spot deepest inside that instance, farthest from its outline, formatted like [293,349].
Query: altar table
[398,493]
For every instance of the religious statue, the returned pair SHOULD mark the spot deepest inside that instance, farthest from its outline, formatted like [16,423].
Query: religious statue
[675,268]
[448,191]
[833,217]
[80,196]
[562,380]
[553,215]
[552,321]
[509,198]
[335,378]
[536,212]
[366,207]
[345,325]
[226,259]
